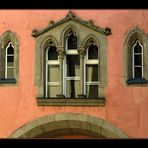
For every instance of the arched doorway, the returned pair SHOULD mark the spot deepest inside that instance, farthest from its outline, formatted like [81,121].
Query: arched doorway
[68,124]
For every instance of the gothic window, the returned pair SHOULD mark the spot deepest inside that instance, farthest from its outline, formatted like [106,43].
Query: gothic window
[52,72]
[9,64]
[9,58]
[137,60]
[67,63]
[92,70]
[135,57]
[72,67]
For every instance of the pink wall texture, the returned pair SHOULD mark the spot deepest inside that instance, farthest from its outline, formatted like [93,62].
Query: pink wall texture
[126,106]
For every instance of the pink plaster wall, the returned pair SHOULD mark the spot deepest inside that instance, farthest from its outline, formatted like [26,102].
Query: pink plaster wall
[126,107]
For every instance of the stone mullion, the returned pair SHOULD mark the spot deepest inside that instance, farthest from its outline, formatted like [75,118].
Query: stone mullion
[61,53]
[82,53]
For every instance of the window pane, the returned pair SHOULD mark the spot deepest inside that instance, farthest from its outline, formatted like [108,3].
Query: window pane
[72,42]
[137,48]
[10,73]
[92,91]
[10,50]
[91,73]
[53,73]
[93,52]
[138,72]
[138,59]
[53,91]
[72,88]
[52,53]
[10,59]
[73,65]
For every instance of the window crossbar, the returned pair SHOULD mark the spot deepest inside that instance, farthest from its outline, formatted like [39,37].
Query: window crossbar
[72,78]
[92,83]
[53,83]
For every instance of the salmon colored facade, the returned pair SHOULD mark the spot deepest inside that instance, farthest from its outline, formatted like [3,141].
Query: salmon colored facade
[125,105]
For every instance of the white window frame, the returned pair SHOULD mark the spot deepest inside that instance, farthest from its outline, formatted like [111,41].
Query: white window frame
[6,63]
[90,62]
[133,63]
[50,62]
[65,77]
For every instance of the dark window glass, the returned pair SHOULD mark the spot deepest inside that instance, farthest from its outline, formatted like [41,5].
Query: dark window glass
[72,42]
[73,70]
[93,52]
[73,65]
[137,48]
[138,72]
[52,53]
[138,59]
[10,59]
[10,50]
[92,91]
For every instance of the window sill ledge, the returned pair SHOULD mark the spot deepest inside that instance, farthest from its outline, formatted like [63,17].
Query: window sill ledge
[70,102]
[137,81]
[4,81]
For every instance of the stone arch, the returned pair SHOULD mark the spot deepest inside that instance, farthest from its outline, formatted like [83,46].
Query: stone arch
[88,39]
[47,41]
[66,33]
[68,123]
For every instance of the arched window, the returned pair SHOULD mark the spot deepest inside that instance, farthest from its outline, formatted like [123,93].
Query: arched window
[52,72]
[71,62]
[92,70]
[135,57]
[137,60]
[72,66]
[9,58]
[9,64]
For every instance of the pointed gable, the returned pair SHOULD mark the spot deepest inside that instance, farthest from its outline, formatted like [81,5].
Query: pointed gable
[70,16]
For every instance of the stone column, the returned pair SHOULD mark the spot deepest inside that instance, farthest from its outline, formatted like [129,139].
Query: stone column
[82,53]
[61,53]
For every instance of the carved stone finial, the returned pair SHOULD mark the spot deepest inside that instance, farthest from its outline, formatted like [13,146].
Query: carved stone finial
[107,31]
[70,15]
[51,22]
[34,32]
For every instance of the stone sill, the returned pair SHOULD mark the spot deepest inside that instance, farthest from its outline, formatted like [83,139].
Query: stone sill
[70,102]
[4,81]
[137,81]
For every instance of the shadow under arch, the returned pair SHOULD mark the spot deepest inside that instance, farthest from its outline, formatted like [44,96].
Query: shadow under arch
[52,126]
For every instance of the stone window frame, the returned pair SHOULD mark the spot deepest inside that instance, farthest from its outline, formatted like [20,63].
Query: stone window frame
[135,34]
[42,36]
[6,38]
